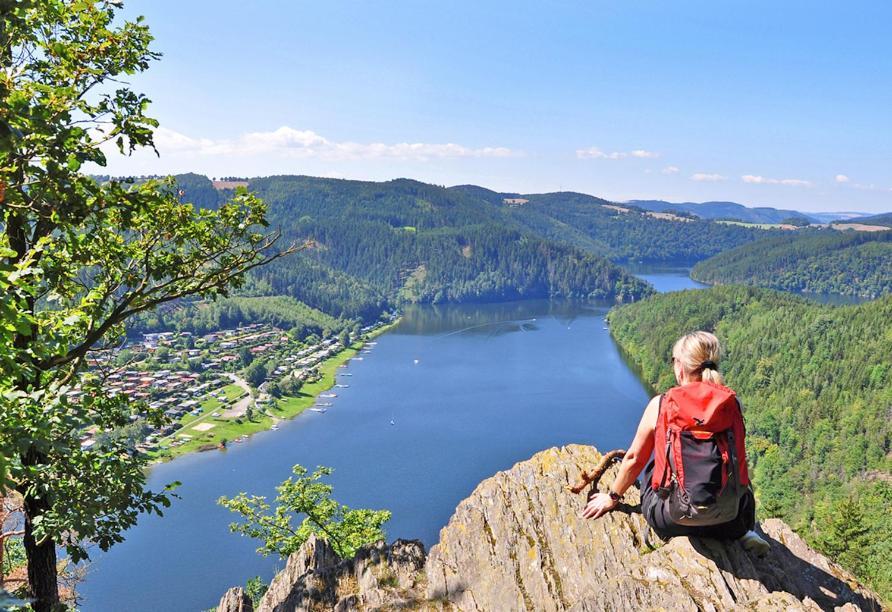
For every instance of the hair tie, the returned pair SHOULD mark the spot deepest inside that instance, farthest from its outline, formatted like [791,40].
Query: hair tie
[708,365]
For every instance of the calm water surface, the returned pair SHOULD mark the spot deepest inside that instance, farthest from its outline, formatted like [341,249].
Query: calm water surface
[471,390]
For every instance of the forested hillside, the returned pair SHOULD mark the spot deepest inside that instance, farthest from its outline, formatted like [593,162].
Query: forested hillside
[815,261]
[882,219]
[726,210]
[816,386]
[203,316]
[621,233]
[411,242]
[376,245]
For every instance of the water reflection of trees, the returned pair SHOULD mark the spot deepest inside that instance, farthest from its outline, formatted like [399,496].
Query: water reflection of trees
[493,319]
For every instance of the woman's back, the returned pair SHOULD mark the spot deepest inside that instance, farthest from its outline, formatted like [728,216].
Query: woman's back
[697,482]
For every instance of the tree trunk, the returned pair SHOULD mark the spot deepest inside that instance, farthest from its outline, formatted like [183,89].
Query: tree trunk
[43,581]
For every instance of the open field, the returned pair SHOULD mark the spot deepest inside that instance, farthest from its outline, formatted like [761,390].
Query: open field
[860,227]
[783,226]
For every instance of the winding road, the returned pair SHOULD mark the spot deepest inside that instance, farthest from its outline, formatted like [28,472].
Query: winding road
[240,407]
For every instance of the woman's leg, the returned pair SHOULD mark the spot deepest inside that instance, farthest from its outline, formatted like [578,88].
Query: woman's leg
[732,530]
[653,509]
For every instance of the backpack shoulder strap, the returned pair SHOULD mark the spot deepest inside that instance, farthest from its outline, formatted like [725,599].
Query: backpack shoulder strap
[665,473]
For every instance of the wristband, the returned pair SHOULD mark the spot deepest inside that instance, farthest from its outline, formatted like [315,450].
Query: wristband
[614,496]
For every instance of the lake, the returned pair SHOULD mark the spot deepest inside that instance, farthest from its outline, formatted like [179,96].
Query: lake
[470,389]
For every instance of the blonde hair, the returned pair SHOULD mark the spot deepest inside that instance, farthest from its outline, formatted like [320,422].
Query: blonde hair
[699,353]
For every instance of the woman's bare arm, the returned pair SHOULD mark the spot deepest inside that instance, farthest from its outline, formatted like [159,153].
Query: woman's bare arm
[634,461]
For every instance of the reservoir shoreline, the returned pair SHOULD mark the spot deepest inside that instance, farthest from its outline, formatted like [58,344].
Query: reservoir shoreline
[450,396]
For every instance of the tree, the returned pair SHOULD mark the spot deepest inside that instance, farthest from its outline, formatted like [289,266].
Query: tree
[256,372]
[10,530]
[255,589]
[345,530]
[796,221]
[78,257]
[245,356]
[845,537]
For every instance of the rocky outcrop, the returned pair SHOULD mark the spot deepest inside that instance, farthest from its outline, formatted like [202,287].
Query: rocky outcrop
[236,600]
[518,543]
[315,578]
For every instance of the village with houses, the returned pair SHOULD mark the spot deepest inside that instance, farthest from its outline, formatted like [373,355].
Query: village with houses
[206,387]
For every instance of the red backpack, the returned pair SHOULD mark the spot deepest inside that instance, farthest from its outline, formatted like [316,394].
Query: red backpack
[701,472]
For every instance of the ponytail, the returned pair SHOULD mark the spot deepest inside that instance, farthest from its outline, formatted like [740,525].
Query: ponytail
[712,375]
[699,353]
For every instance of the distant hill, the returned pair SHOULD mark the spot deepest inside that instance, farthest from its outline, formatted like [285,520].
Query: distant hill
[815,261]
[406,241]
[829,217]
[379,244]
[618,231]
[881,219]
[727,210]
[755,214]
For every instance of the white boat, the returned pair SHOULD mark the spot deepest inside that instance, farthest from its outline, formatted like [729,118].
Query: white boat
[328,395]
[359,358]
[318,409]
[325,404]
[342,386]
[346,374]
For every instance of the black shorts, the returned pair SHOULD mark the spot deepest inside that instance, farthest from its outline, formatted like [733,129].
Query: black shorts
[655,513]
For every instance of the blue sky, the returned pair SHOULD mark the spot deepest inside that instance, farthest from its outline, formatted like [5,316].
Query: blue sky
[784,104]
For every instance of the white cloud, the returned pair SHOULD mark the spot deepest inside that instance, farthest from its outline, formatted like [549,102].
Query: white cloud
[596,153]
[703,177]
[169,140]
[642,154]
[289,142]
[671,170]
[761,180]
[842,178]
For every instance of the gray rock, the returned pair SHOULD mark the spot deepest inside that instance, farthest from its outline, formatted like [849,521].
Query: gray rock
[235,600]
[315,578]
[518,543]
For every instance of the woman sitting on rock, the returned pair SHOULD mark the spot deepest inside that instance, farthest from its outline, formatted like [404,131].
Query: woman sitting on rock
[697,483]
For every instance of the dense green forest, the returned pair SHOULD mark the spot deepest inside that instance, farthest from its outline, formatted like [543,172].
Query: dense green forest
[377,245]
[816,386]
[405,241]
[815,261]
[204,316]
[586,221]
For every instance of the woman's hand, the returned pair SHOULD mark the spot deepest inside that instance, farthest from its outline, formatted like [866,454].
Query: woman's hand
[598,505]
